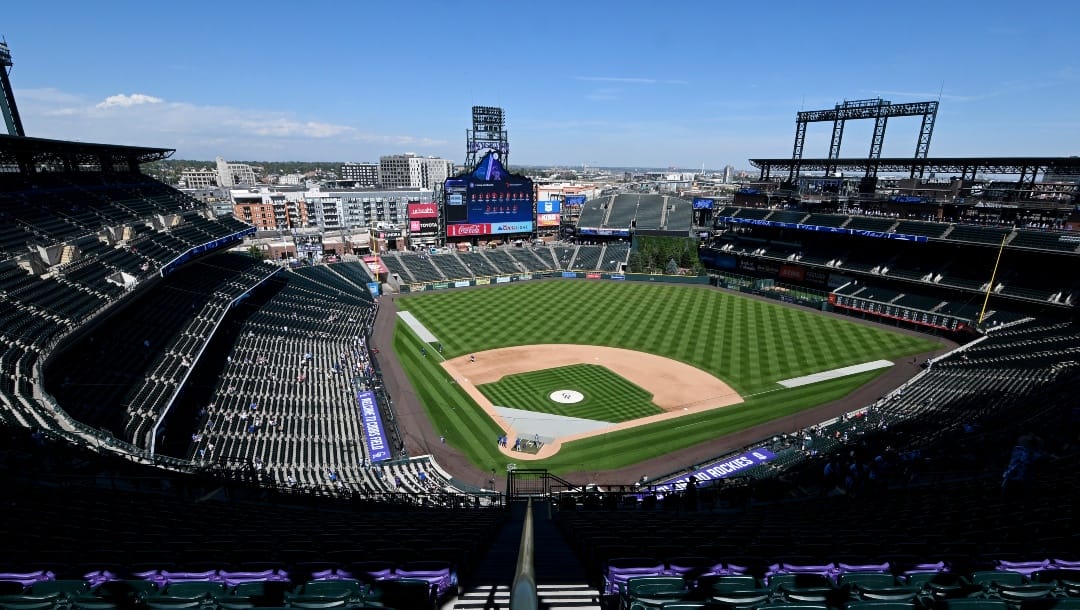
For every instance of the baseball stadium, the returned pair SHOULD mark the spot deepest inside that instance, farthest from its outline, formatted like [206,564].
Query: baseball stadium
[818,393]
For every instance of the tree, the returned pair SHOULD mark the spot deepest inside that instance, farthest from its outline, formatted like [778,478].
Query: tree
[633,262]
[672,267]
[256,252]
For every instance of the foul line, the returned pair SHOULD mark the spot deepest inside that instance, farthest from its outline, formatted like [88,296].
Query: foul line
[854,369]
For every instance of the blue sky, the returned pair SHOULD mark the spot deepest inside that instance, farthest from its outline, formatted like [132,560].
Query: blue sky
[603,83]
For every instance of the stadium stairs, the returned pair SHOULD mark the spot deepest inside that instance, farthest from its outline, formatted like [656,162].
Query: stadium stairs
[560,578]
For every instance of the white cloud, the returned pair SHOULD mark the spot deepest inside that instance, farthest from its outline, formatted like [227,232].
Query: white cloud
[205,131]
[125,101]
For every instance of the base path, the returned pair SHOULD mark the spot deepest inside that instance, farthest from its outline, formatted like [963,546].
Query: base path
[677,388]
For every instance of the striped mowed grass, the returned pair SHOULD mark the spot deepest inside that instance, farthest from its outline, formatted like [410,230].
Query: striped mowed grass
[748,343]
[607,396]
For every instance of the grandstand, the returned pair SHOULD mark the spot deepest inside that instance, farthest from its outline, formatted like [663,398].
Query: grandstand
[185,425]
[625,214]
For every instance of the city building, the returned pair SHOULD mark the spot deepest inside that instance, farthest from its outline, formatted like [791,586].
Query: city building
[231,175]
[335,209]
[270,209]
[198,179]
[411,171]
[360,174]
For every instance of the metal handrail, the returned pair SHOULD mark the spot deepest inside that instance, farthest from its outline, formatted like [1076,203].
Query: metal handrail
[523,590]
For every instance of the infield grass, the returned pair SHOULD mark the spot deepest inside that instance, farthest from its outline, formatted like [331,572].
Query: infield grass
[748,343]
[607,396]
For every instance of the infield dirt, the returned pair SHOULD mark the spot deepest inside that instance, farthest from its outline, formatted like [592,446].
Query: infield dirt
[677,388]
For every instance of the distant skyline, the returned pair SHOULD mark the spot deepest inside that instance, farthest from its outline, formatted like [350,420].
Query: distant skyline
[600,83]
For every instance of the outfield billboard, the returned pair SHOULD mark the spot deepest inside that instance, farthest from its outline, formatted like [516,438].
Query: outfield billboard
[547,220]
[703,203]
[423,227]
[423,210]
[552,206]
[574,200]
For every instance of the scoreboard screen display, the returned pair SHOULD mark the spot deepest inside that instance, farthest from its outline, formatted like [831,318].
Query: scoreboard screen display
[507,201]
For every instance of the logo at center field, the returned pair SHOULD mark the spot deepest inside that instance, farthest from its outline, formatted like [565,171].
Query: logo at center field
[566,397]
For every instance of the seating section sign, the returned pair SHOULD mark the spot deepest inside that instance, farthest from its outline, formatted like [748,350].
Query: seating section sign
[374,436]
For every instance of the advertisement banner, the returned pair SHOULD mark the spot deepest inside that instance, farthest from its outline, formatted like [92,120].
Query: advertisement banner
[722,469]
[547,220]
[553,206]
[423,226]
[616,276]
[502,279]
[423,210]
[592,275]
[467,230]
[510,227]
[792,272]
[373,288]
[574,199]
[703,203]
[569,274]
[483,281]
[461,284]
[374,437]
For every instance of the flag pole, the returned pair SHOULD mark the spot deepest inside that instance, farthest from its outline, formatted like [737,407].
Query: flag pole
[993,276]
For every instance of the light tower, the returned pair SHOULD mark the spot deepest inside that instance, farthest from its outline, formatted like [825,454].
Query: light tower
[488,133]
[7,101]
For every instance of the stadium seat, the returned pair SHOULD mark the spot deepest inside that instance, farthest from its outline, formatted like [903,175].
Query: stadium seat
[65,588]
[27,601]
[975,603]
[811,588]
[651,591]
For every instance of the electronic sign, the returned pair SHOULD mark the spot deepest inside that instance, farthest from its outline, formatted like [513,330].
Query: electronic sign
[553,206]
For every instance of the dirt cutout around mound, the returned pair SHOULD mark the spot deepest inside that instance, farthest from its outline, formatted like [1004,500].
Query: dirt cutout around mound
[677,388]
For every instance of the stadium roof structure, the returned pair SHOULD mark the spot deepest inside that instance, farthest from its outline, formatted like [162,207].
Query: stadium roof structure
[28,155]
[1027,168]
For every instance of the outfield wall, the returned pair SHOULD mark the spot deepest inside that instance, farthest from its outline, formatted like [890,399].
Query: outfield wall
[521,277]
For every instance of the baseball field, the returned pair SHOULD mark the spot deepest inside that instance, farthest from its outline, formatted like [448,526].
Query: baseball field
[656,367]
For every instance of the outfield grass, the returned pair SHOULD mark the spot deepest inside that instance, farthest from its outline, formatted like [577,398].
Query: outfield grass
[748,343]
[608,396]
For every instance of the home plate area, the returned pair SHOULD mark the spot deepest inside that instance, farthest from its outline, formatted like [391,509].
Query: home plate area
[529,424]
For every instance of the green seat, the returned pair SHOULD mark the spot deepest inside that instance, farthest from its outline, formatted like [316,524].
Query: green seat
[235,602]
[975,603]
[406,593]
[803,588]
[302,600]
[875,605]
[195,588]
[652,591]
[125,593]
[728,582]
[262,592]
[741,599]
[26,601]
[940,585]
[332,588]
[66,588]
[867,579]
[990,579]
[174,602]
[92,602]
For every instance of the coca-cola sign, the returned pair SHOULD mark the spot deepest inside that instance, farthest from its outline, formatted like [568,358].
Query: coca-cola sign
[423,210]
[467,230]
